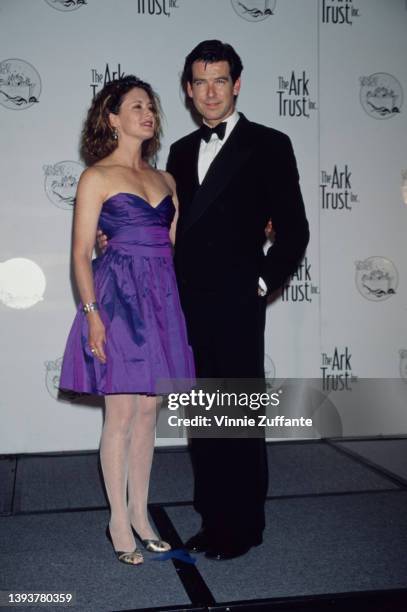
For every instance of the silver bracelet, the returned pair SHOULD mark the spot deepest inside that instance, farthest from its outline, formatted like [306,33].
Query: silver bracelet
[89,307]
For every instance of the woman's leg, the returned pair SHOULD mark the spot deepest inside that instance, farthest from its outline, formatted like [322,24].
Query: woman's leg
[114,455]
[140,459]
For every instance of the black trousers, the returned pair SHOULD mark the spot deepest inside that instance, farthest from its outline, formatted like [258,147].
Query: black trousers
[226,333]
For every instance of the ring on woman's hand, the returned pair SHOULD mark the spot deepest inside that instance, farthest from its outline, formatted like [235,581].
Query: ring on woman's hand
[93,350]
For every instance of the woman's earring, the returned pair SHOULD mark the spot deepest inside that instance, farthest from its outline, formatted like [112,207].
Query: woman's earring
[115,134]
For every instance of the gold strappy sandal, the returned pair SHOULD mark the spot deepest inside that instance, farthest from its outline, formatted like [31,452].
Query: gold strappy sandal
[134,557]
[155,546]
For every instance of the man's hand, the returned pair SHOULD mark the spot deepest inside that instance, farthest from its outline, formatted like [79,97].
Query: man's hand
[101,240]
[268,230]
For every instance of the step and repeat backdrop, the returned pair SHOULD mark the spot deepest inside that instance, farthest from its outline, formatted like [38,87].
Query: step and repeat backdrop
[332,74]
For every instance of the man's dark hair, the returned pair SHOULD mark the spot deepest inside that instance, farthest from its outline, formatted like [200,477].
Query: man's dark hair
[210,51]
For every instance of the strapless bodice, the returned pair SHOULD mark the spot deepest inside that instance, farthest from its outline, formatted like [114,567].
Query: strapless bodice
[135,227]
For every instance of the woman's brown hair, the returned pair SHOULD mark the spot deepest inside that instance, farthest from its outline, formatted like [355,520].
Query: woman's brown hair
[97,139]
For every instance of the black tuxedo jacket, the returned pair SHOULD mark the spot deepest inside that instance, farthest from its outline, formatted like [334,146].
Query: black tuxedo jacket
[220,232]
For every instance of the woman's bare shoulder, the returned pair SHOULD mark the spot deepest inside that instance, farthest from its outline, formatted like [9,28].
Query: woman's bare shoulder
[96,171]
[93,180]
[168,178]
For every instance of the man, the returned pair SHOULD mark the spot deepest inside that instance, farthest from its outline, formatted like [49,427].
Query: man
[232,176]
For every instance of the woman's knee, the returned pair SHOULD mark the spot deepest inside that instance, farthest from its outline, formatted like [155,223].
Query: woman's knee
[120,419]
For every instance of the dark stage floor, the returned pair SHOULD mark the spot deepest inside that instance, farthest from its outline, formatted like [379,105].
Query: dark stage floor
[336,536]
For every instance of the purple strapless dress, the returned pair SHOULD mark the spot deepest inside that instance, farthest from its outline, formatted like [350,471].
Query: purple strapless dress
[135,286]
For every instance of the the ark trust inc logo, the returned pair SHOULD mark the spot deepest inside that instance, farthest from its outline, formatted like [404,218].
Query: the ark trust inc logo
[376,278]
[336,370]
[294,99]
[381,95]
[20,84]
[99,78]
[300,287]
[66,5]
[254,10]
[156,7]
[403,364]
[52,376]
[61,181]
[336,189]
[339,12]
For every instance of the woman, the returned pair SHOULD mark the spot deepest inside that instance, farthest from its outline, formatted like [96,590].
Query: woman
[129,331]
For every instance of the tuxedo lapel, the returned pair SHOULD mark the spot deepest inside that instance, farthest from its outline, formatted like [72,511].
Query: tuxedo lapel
[222,170]
[190,169]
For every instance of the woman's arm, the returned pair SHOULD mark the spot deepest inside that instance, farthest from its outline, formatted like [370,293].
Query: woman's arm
[89,199]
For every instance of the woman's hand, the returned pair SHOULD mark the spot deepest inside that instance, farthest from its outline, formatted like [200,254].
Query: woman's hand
[97,336]
[101,240]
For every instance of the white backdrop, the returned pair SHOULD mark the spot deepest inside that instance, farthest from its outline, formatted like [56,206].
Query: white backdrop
[330,73]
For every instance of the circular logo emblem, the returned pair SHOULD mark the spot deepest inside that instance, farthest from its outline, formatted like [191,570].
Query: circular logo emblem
[61,181]
[20,84]
[403,364]
[381,95]
[254,10]
[404,186]
[269,371]
[52,377]
[22,283]
[66,5]
[376,278]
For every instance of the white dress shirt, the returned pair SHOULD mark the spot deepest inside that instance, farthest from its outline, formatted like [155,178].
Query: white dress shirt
[207,153]
[209,150]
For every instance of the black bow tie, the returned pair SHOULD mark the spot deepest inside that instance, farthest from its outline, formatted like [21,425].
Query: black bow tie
[206,131]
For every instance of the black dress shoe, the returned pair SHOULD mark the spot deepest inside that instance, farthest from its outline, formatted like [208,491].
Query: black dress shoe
[223,553]
[199,542]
